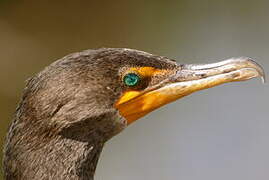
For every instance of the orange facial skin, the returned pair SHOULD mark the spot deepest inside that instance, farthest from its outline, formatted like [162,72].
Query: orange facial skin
[134,110]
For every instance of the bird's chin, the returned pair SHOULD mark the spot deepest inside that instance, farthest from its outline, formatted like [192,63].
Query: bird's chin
[189,79]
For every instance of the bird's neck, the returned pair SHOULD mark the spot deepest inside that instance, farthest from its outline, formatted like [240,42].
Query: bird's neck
[75,159]
[60,158]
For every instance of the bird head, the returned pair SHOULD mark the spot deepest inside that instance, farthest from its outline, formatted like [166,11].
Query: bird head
[71,108]
[100,92]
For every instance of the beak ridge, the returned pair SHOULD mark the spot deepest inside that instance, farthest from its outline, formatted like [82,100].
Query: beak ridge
[240,69]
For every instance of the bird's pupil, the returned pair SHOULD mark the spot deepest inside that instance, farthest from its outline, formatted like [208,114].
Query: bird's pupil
[131,79]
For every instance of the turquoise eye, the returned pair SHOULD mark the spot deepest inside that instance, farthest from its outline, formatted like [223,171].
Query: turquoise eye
[131,79]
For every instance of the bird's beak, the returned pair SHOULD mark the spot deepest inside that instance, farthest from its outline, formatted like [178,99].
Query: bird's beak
[189,79]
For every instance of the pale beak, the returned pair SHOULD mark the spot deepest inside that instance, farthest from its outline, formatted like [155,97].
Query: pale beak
[191,78]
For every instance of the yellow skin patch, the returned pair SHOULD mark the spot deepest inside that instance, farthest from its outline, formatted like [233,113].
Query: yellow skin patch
[143,72]
[147,71]
[141,107]
[141,104]
[127,96]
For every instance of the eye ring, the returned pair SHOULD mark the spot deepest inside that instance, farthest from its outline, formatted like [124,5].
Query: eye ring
[131,79]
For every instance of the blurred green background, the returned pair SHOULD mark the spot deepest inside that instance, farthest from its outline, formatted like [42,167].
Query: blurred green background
[220,133]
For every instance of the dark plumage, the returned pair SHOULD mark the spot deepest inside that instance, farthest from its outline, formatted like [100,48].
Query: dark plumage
[68,112]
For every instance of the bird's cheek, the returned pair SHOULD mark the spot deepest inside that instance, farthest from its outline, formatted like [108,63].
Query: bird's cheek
[142,104]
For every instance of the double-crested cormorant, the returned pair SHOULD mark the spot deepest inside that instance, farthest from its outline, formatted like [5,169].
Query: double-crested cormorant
[70,109]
